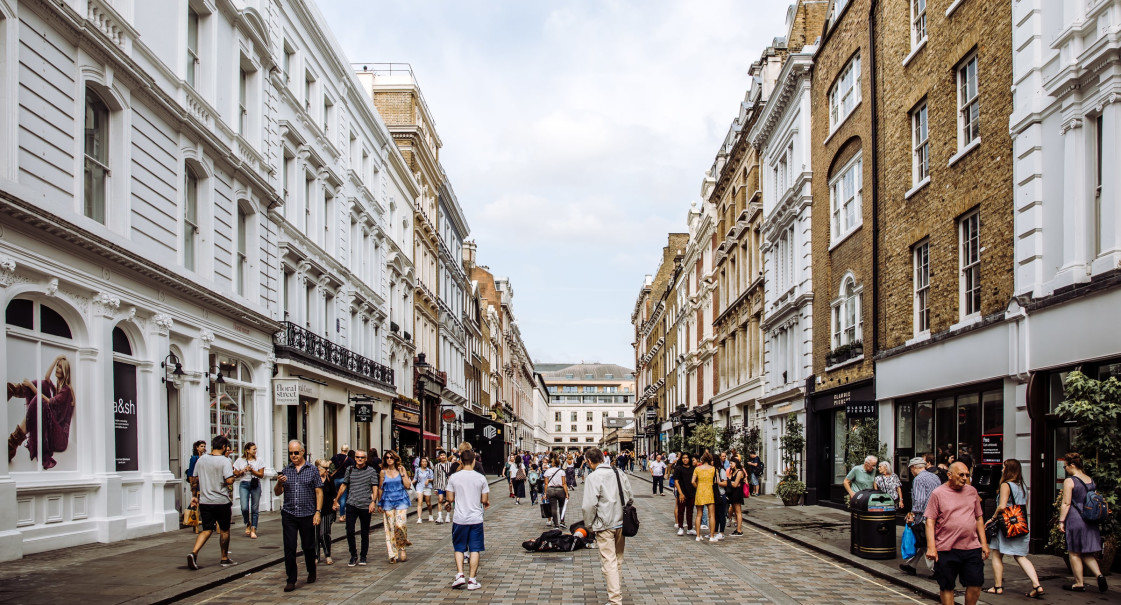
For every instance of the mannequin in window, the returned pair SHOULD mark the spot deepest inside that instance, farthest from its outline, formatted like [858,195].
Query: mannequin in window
[57,413]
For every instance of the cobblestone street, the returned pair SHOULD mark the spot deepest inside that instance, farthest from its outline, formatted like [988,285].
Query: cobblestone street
[660,567]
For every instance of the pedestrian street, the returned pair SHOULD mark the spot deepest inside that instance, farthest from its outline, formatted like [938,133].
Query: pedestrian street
[659,568]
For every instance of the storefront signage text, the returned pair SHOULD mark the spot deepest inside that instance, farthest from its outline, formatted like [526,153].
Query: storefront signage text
[992,449]
[126,429]
[403,417]
[286,391]
[363,412]
[861,409]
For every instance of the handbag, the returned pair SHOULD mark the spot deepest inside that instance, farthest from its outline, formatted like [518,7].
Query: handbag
[191,517]
[630,513]
[994,527]
[1015,521]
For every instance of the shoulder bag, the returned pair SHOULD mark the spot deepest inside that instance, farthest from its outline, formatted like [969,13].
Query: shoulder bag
[630,514]
[1014,518]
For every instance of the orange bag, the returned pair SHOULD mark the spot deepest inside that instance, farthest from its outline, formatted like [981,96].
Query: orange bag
[1015,521]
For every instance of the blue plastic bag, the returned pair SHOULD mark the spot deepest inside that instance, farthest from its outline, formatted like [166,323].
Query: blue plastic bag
[907,545]
[671,482]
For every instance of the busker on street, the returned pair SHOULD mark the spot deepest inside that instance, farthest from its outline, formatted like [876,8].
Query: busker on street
[302,488]
[215,475]
[683,484]
[327,517]
[603,516]
[1012,491]
[442,471]
[924,483]
[862,477]
[556,489]
[360,481]
[250,470]
[658,475]
[736,480]
[1083,538]
[469,492]
[393,500]
[955,536]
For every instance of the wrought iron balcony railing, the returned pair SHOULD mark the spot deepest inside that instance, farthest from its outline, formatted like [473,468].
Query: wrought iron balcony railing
[323,352]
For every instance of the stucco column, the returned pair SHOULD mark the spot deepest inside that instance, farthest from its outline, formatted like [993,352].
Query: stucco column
[154,440]
[1076,222]
[96,371]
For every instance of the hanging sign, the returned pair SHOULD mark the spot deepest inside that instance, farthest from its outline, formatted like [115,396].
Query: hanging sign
[286,391]
[363,412]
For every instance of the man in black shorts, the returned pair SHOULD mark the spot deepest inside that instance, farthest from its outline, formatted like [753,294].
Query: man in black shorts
[215,473]
[955,536]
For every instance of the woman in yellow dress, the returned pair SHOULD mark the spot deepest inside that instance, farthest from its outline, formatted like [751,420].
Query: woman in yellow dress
[702,480]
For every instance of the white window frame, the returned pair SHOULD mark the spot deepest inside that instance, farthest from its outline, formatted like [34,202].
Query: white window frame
[191,75]
[969,264]
[241,260]
[192,182]
[847,212]
[918,22]
[846,86]
[847,313]
[96,161]
[969,103]
[920,258]
[920,144]
[242,101]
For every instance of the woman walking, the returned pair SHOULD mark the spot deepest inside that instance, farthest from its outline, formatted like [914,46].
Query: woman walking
[556,489]
[704,497]
[250,470]
[736,479]
[423,480]
[570,471]
[519,479]
[326,515]
[393,500]
[533,477]
[1083,537]
[887,481]
[685,489]
[1012,492]
[509,470]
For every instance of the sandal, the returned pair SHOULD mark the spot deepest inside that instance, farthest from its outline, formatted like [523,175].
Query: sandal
[996,590]
[1036,593]
[392,559]
[330,561]
[1073,588]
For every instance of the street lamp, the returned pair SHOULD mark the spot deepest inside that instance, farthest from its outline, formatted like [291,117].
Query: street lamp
[421,365]
[172,370]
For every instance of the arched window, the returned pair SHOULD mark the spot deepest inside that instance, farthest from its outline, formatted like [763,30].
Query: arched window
[126,417]
[40,351]
[846,320]
[231,400]
[96,156]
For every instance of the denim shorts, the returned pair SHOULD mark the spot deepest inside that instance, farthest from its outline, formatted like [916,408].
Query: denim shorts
[467,538]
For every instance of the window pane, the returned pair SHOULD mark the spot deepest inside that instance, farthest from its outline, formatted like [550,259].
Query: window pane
[21,313]
[905,426]
[50,322]
[945,426]
[120,342]
[969,426]
[924,427]
[993,404]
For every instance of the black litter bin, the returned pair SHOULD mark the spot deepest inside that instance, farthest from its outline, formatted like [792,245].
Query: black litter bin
[872,529]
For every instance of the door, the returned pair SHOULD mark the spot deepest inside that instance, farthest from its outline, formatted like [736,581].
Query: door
[175,444]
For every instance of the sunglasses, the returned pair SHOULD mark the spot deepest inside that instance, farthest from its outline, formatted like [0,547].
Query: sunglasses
[293,453]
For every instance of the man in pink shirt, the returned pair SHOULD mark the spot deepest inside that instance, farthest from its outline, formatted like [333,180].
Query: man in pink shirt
[955,536]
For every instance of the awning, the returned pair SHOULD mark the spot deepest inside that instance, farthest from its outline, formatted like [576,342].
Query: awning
[409,428]
[430,436]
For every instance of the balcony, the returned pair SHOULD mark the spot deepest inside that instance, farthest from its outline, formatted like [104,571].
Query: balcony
[321,352]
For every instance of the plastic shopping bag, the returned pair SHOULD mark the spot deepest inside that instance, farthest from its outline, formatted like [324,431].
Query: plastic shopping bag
[907,547]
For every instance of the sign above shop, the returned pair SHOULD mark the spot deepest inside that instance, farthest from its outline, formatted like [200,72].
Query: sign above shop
[363,412]
[403,417]
[286,391]
[448,415]
[861,409]
[992,449]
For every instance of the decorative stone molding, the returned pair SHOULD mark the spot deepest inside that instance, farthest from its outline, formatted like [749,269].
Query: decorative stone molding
[106,304]
[163,323]
[1070,124]
[80,302]
[52,287]
[1108,100]
[206,337]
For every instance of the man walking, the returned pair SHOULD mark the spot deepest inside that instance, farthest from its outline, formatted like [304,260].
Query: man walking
[470,493]
[360,482]
[658,475]
[861,477]
[215,474]
[342,462]
[603,515]
[955,536]
[924,483]
[440,483]
[302,488]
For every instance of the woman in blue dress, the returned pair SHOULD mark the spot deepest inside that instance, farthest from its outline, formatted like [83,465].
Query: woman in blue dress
[1012,492]
[1083,538]
[393,500]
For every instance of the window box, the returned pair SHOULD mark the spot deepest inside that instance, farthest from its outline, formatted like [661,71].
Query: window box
[844,353]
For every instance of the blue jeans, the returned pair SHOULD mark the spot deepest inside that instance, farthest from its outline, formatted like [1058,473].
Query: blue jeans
[342,498]
[250,502]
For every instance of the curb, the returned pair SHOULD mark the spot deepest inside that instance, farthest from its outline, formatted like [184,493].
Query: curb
[926,592]
[241,573]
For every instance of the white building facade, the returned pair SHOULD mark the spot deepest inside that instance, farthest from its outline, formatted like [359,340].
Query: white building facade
[453,288]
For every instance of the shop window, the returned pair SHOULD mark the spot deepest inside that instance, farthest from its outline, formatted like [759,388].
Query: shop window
[121,343]
[231,400]
[968,423]
[96,166]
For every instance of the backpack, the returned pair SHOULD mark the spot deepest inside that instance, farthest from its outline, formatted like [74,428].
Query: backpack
[521,474]
[1093,508]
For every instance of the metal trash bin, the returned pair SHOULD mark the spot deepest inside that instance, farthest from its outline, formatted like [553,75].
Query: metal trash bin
[872,529]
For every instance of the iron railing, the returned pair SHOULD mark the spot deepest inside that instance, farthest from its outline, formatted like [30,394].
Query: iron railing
[321,351]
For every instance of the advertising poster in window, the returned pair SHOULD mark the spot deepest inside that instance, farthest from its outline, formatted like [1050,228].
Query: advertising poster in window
[125,424]
[41,396]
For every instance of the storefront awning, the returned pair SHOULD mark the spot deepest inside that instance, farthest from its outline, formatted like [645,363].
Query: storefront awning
[430,436]
[409,428]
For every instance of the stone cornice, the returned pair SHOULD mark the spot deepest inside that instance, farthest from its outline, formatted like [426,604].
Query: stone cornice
[795,69]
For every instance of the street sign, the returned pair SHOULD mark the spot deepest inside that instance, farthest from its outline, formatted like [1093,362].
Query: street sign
[448,415]
[363,412]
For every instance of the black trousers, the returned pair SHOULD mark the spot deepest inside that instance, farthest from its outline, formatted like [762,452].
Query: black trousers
[556,501]
[721,514]
[659,485]
[291,526]
[358,514]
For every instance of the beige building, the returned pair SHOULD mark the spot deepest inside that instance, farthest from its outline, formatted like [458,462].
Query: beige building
[581,397]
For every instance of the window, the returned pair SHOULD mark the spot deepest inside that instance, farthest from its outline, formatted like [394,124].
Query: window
[558,439]
[589,428]
[573,417]
[846,199]
[309,80]
[918,22]
[969,238]
[589,376]
[192,46]
[574,439]
[847,324]
[242,248]
[328,107]
[242,101]
[1101,231]
[96,157]
[589,440]
[557,417]
[609,376]
[969,108]
[573,428]
[589,389]
[569,389]
[231,401]
[589,416]
[920,146]
[620,414]
[190,219]
[922,287]
[845,93]
[286,62]
[558,429]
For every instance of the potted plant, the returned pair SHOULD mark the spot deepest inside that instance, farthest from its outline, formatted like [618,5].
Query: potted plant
[790,488]
[793,440]
[857,348]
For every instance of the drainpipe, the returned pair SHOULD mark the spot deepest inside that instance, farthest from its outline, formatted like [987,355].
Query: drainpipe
[872,87]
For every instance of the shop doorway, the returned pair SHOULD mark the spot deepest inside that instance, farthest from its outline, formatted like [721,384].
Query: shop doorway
[175,443]
[296,429]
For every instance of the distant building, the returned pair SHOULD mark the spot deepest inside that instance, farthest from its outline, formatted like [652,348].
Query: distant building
[582,397]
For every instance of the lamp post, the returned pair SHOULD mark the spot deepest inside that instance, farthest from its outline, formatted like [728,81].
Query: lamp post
[172,370]
[421,365]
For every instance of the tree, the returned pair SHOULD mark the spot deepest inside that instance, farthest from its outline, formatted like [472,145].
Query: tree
[793,441]
[704,437]
[1095,405]
[864,440]
[676,443]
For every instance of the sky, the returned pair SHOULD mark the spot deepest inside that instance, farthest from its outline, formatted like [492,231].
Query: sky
[576,134]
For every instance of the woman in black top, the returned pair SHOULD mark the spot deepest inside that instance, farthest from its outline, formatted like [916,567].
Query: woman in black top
[736,479]
[683,485]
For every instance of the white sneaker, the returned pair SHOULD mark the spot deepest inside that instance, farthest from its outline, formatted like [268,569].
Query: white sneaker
[691,532]
[719,536]
[703,526]
[420,521]
[473,584]
[675,526]
[681,531]
[712,539]
[699,539]
[430,518]
[440,518]
[459,581]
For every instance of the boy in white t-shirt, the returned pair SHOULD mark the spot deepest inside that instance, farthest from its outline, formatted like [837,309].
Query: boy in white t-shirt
[470,493]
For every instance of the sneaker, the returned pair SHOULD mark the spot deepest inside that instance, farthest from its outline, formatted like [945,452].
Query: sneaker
[704,526]
[430,518]
[699,538]
[419,520]
[227,563]
[681,531]
[713,539]
[719,536]
[353,561]
[691,532]
[362,561]
[909,570]
[737,533]
[675,526]
[459,581]
[192,562]
[473,584]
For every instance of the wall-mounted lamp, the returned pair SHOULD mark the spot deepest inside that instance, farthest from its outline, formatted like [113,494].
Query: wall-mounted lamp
[172,370]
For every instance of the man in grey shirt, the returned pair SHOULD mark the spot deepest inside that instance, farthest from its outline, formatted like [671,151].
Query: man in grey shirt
[359,483]
[215,473]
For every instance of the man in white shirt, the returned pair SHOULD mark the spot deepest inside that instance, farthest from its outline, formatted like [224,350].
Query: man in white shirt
[470,493]
[672,457]
[658,474]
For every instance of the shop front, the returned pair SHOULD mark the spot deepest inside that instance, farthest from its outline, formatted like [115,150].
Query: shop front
[406,427]
[831,417]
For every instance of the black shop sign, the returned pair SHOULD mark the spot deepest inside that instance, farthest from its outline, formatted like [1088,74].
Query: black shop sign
[861,409]
[126,430]
[363,412]
[992,449]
